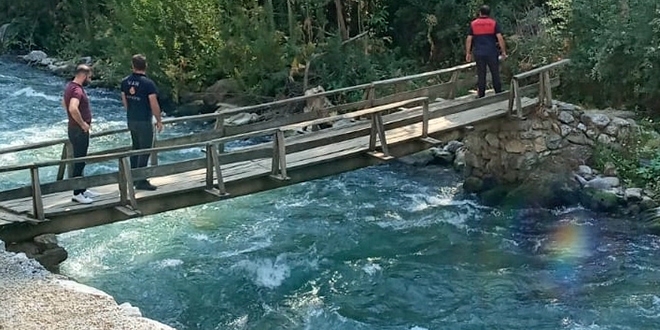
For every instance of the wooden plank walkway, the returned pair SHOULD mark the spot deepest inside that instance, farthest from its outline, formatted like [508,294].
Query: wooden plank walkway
[397,125]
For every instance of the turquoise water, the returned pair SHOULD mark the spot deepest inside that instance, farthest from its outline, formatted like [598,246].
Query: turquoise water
[387,247]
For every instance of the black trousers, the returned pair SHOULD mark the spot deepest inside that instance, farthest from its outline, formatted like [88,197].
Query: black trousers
[491,62]
[142,135]
[80,141]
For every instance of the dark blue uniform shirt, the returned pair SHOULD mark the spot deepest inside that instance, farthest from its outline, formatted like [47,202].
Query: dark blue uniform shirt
[137,88]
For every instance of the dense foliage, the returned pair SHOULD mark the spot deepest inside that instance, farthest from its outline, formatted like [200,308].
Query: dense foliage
[268,45]
[637,160]
[616,45]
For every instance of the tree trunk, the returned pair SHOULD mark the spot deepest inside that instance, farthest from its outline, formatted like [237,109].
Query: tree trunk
[88,30]
[292,22]
[271,14]
[341,23]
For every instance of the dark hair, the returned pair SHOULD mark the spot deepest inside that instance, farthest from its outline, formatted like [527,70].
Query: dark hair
[484,10]
[139,62]
[84,69]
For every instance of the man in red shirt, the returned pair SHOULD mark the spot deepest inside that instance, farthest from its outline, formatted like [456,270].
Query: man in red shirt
[485,34]
[77,107]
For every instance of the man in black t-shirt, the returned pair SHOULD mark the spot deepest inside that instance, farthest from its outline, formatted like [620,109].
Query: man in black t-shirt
[140,98]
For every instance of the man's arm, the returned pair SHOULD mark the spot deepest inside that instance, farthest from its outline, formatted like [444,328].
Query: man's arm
[64,105]
[500,40]
[468,48]
[123,101]
[155,110]
[75,114]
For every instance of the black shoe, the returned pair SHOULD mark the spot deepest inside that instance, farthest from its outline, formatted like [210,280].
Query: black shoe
[145,185]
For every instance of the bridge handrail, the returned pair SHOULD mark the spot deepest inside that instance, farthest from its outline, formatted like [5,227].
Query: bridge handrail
[113,156]
[222,140]
[223,113]
[545,86]
[541,69]
[347,89]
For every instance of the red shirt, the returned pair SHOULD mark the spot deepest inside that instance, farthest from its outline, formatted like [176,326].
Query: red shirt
[74,90]
[484,32]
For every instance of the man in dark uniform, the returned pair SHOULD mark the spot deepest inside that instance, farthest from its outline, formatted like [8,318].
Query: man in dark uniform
[140,98]
[485,34]
[76,104]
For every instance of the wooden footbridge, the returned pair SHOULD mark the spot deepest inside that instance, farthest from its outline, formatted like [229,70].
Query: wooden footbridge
[392,118]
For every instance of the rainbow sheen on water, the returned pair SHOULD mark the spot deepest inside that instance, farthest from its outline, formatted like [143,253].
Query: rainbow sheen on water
[570,242]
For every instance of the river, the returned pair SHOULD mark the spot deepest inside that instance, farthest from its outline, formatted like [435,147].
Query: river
[387,247]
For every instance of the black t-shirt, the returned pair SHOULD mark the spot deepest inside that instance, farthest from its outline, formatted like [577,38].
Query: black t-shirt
[137,88]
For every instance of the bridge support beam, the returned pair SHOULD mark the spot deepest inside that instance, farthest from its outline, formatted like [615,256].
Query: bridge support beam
[126,188]
[37,201]
[378,130]
[279,170]
[213,165]
[67,152]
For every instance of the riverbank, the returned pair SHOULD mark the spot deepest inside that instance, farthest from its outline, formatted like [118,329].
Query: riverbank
[223,94]
[560,156]
[33,298]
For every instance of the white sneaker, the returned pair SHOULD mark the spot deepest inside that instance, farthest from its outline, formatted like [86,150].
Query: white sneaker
[81,198]
[90,194]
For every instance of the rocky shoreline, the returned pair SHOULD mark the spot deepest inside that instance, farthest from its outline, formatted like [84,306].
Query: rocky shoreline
[31,297]
[223,94]
[541,162]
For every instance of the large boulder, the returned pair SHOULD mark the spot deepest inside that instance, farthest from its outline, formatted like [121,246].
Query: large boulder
[223,91]
[473,184]
[189,109]
[242,118]
[544,189]
[551,184]
[601,200]
[62,68]
[35,56]
[43,249]
[595,119]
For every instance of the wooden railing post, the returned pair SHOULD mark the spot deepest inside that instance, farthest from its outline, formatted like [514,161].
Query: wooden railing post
[213,165]
[541,88]
[425,118]
[126,188]
[67,152]
[518,98]
[154,154]
[548,88]
[37,200]
[279,157]
[220,127]
[512,97]
[378,129]
[319,112]
[454,85]
[370,94]
[209,167]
